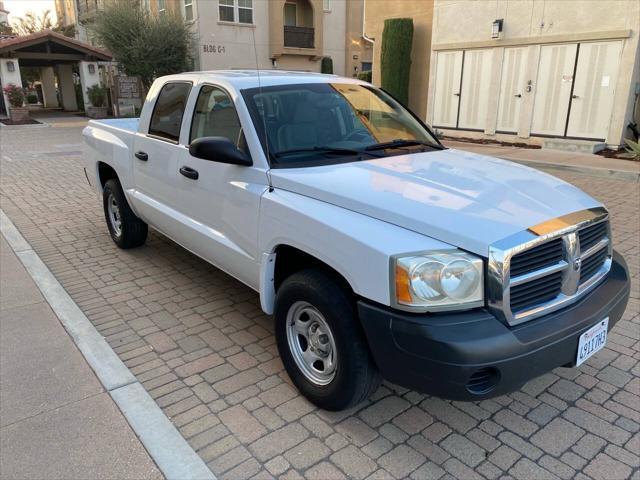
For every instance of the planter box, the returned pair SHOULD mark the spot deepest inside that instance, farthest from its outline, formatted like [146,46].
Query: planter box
[19,114]
[97,112]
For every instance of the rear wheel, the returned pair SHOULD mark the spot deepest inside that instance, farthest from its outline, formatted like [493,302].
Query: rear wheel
[127,230]
[320,341]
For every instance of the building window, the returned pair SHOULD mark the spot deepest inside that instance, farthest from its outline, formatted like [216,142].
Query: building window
[290,14]
[326,5]
[245,11]
[237,11]
[188,10]
[226,9]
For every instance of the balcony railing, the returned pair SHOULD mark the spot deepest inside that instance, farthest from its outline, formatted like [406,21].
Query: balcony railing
[299,37]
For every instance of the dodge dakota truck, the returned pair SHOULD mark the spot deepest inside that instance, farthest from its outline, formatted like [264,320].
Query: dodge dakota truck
[379,252]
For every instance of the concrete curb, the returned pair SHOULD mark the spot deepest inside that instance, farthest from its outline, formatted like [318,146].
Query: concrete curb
[166,446]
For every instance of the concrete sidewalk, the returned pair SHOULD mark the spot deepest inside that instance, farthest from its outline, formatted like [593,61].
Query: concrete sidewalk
[56,420]
[556,159]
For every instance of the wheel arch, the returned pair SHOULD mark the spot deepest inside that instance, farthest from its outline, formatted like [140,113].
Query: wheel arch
[285,260]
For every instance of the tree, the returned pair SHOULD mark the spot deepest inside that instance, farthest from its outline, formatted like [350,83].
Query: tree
[144,45]
[31,23]
[395,57]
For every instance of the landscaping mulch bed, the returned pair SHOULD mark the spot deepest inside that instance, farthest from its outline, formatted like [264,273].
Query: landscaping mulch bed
[618,153]
[486,141]
[31,121]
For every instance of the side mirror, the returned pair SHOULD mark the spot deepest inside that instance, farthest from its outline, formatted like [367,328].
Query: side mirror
[219,149]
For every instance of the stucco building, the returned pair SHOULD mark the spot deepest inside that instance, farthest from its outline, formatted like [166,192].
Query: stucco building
[564,73]
[421,11]
[283,34]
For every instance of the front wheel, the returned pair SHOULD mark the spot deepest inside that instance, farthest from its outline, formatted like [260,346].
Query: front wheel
[320,342]
[126,230]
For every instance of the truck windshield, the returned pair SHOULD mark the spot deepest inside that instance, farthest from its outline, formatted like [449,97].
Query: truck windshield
[322,123]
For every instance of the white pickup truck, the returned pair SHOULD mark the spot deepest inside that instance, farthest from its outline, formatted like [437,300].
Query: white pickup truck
[381,253]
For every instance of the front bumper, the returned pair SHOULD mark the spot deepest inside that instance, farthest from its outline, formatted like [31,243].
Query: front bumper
[472,355]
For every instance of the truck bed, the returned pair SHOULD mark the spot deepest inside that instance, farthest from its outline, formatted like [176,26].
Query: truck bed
[128,124]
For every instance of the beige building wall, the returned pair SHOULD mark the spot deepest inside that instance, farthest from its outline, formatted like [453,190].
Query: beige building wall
[228,45]
[358,49]
[532,23]
[421,11]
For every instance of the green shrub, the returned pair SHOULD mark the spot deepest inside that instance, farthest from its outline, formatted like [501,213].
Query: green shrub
[326,66]
[395,57]
[365,76]
[32,98]
[632,150]
[97,96]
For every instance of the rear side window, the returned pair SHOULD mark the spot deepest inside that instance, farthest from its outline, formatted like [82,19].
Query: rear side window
[169,109]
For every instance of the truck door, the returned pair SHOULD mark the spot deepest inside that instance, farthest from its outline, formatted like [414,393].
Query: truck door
[156,153]
[220,201]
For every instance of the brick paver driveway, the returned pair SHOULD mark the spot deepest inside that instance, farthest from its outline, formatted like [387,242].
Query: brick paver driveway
[198,341]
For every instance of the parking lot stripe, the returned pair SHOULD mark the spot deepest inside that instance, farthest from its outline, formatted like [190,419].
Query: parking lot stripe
[173,455]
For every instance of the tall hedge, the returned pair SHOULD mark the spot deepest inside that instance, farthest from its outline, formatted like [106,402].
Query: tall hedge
[395,57]
[326,66]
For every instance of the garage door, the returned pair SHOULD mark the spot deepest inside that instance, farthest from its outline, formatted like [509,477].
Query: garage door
[447,88]
[553,89]
[474,96]
[512,86]
[594,89]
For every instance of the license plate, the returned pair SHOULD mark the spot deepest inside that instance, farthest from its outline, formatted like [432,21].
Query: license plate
[592,341]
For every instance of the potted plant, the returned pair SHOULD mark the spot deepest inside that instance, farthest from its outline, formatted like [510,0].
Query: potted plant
[17,112]
[98,100]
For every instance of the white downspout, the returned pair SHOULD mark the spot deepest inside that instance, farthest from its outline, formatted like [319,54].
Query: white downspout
[364,13]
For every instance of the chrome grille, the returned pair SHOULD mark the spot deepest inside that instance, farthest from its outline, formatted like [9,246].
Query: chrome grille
[548,266]
[533,293]
[536,258]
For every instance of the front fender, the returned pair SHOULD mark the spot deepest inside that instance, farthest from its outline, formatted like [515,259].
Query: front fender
[355,245]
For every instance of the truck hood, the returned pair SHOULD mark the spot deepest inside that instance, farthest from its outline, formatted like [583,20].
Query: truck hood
[461,198]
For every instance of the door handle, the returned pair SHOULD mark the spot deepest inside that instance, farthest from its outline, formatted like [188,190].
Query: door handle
[142,156]
[457,94]
[519,95]
[189,173]
[575,96]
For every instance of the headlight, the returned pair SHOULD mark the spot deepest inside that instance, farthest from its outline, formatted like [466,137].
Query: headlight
[440,280]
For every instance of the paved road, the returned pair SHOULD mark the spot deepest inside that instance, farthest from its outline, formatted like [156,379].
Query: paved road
[199,343]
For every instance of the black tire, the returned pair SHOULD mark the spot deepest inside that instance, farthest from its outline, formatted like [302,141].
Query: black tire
[356,376]
[133,231]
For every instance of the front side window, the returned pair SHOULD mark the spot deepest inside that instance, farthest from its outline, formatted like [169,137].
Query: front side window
[237,11]
[168,111]
[318,123]
[215,116]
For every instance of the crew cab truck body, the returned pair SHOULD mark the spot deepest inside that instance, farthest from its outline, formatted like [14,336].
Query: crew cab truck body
[380,252]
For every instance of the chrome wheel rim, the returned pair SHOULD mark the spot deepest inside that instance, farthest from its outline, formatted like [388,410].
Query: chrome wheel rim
[311,343]
[113,211]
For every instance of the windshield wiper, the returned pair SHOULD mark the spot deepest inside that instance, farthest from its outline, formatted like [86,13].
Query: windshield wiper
[400,143]
[323,149]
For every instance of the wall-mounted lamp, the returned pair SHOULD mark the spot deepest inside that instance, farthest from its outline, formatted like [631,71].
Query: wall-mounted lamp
[11,67]
[496,28]
[92,68]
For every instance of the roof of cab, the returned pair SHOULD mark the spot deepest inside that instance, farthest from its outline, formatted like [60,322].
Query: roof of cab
[260,78]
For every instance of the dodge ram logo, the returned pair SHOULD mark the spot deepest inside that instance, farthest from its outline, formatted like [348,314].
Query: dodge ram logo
[577,263]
